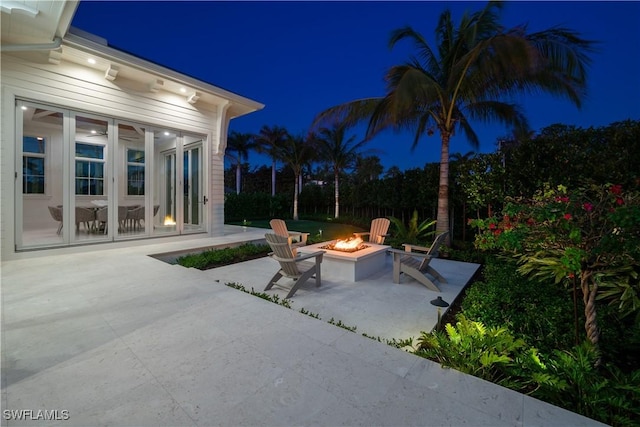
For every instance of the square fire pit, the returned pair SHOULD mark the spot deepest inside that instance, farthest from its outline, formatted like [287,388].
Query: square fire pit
[349,266]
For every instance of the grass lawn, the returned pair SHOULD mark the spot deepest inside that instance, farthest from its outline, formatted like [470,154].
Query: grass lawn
[330,230]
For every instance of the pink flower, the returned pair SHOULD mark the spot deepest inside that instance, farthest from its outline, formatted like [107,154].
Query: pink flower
[492,226]
[619,201]
[563,199]
[616,189]
[497,232]
[588,207]
[567,216]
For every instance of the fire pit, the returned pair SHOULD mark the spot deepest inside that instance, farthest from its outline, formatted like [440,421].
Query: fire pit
[354,262]
[352,244]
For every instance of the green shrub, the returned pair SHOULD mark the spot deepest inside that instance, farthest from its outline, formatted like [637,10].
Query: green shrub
[540,313]
[604,394]
[218,257]
[490,353]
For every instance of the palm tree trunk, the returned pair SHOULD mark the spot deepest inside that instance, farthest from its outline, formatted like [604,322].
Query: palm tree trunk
[295,199]
[238,178]
[337,195]
[273,177]
[442,217]
[589,290]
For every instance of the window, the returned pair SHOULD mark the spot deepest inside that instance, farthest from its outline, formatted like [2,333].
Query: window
[89,169]
[135,172]
[33,157]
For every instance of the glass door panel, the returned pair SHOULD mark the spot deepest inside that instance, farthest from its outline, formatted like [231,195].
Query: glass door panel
[40,183]
[193,199]
[165,182]
[131,172]
[91,160]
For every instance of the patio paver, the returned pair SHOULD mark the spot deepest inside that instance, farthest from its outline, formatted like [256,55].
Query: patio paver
[119,338]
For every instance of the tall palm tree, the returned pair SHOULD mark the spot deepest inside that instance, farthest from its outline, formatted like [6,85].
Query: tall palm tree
[474,68]
[339,152]
[297,152]
[238,147]
[269,141]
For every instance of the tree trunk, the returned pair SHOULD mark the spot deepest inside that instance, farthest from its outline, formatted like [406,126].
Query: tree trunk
[295,199]
[589,290]
[238,178]
[273,177]
[337,195]
[442,218]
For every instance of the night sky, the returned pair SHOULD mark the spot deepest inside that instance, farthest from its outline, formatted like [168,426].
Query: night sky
[299,58]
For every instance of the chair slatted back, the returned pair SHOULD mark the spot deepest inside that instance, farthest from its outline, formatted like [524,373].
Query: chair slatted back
[281,249]
[433,250]
[279,227]
[379,228]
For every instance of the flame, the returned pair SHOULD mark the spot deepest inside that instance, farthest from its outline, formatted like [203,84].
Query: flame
[348,244]
[168,220]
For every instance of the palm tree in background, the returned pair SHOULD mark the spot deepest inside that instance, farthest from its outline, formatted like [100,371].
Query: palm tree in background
[238,147]
[473,69]
[270,140]
[297,152]
[339,152]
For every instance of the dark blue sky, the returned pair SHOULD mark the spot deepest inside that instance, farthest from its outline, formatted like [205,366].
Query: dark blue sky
[299,58]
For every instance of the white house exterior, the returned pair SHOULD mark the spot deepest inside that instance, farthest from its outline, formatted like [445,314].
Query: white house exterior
[98,145]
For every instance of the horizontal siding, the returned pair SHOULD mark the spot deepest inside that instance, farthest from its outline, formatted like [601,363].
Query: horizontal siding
[91,92]
[78,88]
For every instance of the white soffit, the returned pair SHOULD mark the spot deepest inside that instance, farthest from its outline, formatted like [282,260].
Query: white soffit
[35,21]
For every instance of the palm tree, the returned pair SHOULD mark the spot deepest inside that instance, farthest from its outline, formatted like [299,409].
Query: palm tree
[297,152]
[338,152]
[474,67]
[238,147]
[269,141]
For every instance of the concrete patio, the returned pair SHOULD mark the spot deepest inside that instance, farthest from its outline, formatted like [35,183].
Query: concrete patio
[116,337]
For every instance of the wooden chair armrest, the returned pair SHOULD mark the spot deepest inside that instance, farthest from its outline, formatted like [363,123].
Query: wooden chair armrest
[303,236]
[311,255]
[397,252]
[410,248]
[363,233]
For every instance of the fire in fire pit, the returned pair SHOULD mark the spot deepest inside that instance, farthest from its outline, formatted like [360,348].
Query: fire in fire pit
[352,244]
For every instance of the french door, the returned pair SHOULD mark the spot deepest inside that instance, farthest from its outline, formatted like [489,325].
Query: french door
[193,199]
[84,178]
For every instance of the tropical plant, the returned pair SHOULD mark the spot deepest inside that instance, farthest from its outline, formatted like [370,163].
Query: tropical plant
[606,394]
[413,232]
[472,70]
[339,152]
[270,141]
[490,353]
[238,147]
[591,233]
[297,152]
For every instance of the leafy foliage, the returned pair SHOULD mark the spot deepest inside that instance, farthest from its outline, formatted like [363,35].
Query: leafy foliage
[591,233]
[604,394]
[490,353]
[413,232]
[218,257]
[539,312]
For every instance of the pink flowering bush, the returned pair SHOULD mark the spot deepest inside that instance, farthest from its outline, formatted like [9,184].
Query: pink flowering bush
[591,233]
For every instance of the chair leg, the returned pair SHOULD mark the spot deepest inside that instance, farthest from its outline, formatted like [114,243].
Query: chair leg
[306,276]
[435,274]
[273,280]
[396,268]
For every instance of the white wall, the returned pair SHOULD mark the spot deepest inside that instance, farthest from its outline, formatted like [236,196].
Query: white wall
[77,88]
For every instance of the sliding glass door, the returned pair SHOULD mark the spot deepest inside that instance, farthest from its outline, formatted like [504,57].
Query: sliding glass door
[193,199]
[83,178]
[40,177]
